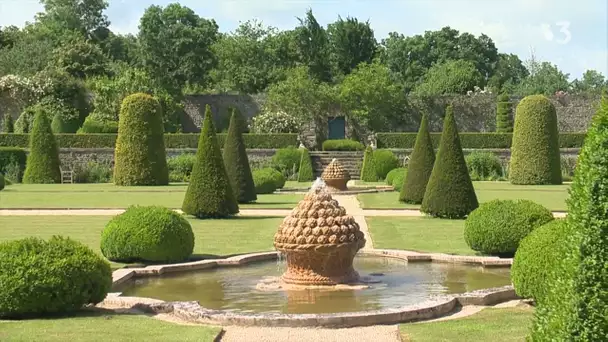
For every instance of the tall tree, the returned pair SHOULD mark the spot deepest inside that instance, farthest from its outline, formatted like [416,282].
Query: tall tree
[509,72]
[83,16]
[451,77]
[591,82]
[176,46]
[544,79]
[313,45]
[351,43]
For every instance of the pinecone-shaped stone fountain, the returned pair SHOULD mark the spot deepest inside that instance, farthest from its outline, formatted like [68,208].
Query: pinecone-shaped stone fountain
[335,176]
[319,241]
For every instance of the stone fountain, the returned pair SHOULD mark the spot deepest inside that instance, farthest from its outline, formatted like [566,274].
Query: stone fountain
[319,241]
[335,176]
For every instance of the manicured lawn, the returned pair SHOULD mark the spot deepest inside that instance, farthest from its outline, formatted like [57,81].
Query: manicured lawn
[111,196]
[551,196]
[420,234]
[213,238]
[495,325]
[100,326]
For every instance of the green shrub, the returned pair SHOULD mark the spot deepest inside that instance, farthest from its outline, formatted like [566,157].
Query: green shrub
[40,277]
[8,125]
[503,114]
[368,170]
[449,192]
[140,157]
[385,161]
[188,140]
[148,234]
[393,174]
[287,160]
[180,167]
[209,193]
[419,167]
[535,155]
[12,163]
[472,140]
[237,163]
[91,125]
[568,166]
[342,145]
[575,306]
[25,121]
[265,180]
[484,166]
[497,227]
[92,172]
[42,165]
[536,259]
[305,173]
[2,183]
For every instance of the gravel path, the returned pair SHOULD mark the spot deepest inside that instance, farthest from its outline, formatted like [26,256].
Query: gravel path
[379,333]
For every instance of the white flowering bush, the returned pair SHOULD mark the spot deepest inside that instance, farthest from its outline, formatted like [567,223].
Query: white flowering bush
[23,91]
[275,122]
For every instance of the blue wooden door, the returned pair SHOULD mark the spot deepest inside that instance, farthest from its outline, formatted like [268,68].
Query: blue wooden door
[336,128]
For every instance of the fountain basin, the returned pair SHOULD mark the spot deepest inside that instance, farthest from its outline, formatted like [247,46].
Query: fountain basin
[401,291]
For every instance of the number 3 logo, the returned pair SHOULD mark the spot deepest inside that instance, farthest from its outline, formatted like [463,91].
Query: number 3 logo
[565,29]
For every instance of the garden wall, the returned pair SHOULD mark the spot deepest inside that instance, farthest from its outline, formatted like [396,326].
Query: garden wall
[476,113]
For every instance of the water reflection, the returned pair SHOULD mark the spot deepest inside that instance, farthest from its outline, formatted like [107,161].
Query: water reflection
[401,284]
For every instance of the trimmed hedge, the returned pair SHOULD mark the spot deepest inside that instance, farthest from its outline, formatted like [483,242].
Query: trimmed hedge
[1,182]
[368,170]
[237,162]
[287,160]
[385,161]
[449,192]
[472,140]
[342,145]
[261,141]
[419,167]
[535,155]
[209,193]
[153,233]
[140,157]
[497,227]
[42,166]
[396,177]
[59,275]
[306,173]
[536,259]
[484,166]
[266,180]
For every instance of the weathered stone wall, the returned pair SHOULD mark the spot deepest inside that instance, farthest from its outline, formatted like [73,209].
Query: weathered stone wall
[476,113]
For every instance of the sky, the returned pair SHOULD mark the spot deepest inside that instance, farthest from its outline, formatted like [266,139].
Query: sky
[569,33]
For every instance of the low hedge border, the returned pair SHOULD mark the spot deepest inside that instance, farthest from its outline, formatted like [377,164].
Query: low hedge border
[260,141]
[472,140]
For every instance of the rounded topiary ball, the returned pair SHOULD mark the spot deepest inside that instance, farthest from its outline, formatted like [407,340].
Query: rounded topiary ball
[148,234]
[40,277]
[265,180]
[497,227]
[536,260]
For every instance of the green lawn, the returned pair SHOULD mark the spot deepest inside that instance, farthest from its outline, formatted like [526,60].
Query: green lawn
[495,325]
[111,196]
[103,326]
[421,234]
[213,238]
[551,196]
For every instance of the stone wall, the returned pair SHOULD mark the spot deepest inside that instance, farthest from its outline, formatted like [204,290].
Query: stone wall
[476,113]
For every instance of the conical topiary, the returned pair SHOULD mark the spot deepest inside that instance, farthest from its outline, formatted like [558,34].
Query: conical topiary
[368,170]
[209,193]
[575,308]
[419,167]
[8,125]
[449,192]
[237,163]
[42,165]
[503,114]
[535,155]
[305,173]
[140,157]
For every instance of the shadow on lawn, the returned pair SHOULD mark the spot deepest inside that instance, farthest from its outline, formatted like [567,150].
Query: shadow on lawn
[87,312]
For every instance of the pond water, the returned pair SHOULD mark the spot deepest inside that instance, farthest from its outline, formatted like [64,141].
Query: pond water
[399,284]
